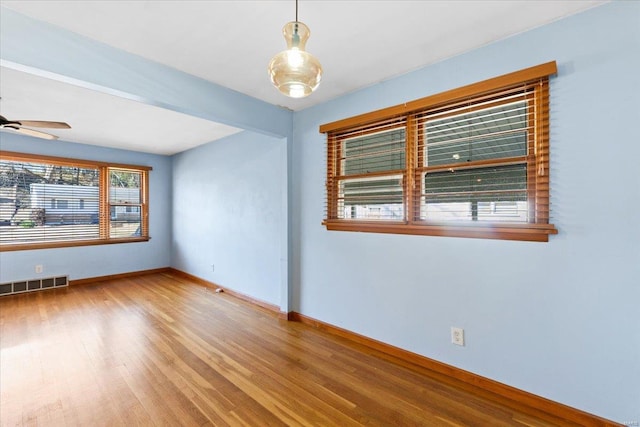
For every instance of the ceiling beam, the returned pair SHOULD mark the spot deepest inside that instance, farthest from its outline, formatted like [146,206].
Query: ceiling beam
[43,49]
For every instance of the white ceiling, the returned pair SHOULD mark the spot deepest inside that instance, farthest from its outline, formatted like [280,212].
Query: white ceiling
[100,119]
[231,43]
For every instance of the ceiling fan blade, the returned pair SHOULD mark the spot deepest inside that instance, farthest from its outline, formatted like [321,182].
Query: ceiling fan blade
[44,124]
[35,133]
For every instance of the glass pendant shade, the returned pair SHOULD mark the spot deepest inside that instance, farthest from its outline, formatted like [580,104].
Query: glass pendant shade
[295,72]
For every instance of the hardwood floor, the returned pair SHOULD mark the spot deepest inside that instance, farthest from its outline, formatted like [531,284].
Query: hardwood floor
[158,350]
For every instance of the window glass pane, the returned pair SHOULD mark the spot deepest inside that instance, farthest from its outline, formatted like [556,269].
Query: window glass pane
[125,221]
[42,202]
[124,197]
[492,133]
[481,211]
[375,152]
[371,198]
[491,194]
[125,186]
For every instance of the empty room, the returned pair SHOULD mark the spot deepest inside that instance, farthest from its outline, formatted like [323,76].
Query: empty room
[319,213]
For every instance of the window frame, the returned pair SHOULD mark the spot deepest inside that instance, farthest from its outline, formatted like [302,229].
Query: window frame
[535,84]
[104,206]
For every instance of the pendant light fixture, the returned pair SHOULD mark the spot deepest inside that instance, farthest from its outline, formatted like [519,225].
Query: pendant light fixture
[295,72]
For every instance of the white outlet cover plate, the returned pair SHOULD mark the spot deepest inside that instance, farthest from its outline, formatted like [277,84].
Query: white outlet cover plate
[457,336]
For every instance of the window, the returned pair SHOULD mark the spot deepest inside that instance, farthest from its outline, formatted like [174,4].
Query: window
[65,202]
[125,202]
[470,162]
[62,204]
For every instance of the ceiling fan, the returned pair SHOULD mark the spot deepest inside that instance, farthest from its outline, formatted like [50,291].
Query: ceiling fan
[17,126]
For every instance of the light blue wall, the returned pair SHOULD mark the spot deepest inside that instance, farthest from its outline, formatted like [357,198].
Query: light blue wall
[557,319]
[93,261]
[230,211]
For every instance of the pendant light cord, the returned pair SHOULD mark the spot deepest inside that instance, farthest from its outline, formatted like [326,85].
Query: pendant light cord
[296,10]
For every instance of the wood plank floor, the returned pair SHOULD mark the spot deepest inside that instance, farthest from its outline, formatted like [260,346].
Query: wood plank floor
[158,350]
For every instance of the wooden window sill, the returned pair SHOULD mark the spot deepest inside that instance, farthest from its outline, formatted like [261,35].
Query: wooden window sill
[520,231]
[68,244]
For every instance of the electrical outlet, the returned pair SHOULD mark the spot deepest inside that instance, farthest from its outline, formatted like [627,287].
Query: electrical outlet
[457,336]
[213,267]
[39,268]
